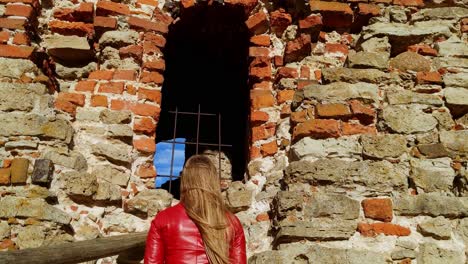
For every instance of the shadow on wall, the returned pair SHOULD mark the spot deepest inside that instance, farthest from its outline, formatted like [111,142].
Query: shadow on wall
[207,64]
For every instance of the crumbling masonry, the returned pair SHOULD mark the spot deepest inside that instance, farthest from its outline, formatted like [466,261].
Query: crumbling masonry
[358,125]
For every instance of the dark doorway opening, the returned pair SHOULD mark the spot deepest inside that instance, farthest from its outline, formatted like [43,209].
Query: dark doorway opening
[206,58]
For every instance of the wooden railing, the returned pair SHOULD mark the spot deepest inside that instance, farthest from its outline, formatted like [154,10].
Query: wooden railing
[129,248]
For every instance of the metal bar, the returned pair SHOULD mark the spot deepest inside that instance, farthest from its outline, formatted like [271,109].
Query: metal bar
[219,144]
[192,113]
[167,176]
[198,129]
[193,143]
[173,149]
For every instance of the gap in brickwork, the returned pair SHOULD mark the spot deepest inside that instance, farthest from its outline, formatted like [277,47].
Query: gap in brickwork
[207,64]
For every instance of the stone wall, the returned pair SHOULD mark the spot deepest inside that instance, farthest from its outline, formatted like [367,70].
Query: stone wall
[358,126]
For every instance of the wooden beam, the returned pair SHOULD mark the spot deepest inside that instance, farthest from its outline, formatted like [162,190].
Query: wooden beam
[76,252]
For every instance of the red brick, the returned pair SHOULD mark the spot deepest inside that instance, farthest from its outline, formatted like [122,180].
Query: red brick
[287,72]
[299,117]
[313,21]
[417,3]
[158,64]
[261,40]
[158,15]
[146,170]
[152,95]
[104,8]
[317,128]
[101,75]
[368,9]
[111,87]
[284,96]
[353,129]
[254,152]
[248,5]
[85,12]
[144,125]
[13,23]
[136,108]
[259,52]
[146,110]
[68,102]
[148,2]
[303,83]
[263,85]
[150,48]
[423,49]
[364,113]
[146,145]
[261,98]
[262,217]
[21,39]
[336,48]
[305,72]
[134,51]
[127,75]
[279,21]
[334,14]
[278,60]
[258,117]
[260,68]
[85,86]
[75,98]
[71,28]
[269,149]
[333,111]
[157,39]
[378,209]
[131,89]
[19,1]
[98,100]
[151,77]
[144,24]
[16,51]
[298,49]
[372,230]
[19,10]
[257,23]
[187,3]
[263,132]
[4,37]
[7,244]
[64,14]
[105,22]
[428,77]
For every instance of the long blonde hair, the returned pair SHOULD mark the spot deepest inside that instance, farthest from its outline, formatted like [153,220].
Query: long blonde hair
[200,193]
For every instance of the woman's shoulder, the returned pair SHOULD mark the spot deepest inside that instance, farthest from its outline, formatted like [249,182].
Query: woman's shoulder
[169,212]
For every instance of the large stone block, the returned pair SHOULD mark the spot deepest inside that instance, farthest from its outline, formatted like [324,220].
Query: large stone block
[68,48]
[380,176]
[116,117]
[456,80]
[327,255]
[30,207]
[19,170]
[111,175]
[384,146]
[115,152]
[408,97]
[149,202]
[321,148]
[432,175]
[455,141]
[43,171]
[341,74]
[79,183]
[20,97]
[431,204]
[340,91]
[415,120]
[318,228]
[73,159]
[438,228]
[440,13]
[430,253]
[362,59]
[331,205]
[15,68]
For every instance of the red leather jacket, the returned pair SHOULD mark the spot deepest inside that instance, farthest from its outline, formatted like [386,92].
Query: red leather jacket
[174,238]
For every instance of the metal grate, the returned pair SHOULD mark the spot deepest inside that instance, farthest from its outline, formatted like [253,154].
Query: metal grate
[198,115]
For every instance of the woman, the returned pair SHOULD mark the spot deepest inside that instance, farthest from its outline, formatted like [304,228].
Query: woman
[199,229]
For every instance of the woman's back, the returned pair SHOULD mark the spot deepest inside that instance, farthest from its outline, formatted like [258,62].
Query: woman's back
[175,239]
